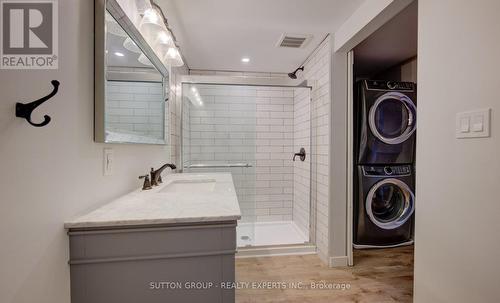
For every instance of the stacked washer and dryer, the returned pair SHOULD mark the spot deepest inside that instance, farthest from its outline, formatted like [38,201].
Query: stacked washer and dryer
[384,178]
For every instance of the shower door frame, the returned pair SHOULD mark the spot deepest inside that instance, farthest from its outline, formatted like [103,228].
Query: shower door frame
[261,82]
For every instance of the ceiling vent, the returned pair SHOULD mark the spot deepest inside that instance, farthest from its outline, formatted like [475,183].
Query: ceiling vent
[293,40]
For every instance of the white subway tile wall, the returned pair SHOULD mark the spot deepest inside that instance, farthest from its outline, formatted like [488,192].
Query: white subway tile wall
[135,108]
[186,130]
[302,170]
[174,105]
[317,71]
[274,130]
[241,124]
[222,131]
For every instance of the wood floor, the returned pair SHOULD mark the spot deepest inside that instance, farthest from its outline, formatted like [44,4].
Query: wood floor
[379,276]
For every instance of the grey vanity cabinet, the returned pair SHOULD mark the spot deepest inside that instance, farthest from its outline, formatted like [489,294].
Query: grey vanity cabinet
[152,264]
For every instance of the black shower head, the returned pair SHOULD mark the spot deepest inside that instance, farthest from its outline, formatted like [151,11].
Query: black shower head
[294,74]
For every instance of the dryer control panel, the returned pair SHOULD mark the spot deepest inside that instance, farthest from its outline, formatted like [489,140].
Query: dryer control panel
[389,85]
[388,170]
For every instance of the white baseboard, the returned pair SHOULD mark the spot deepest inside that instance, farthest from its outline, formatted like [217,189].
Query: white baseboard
[338,261]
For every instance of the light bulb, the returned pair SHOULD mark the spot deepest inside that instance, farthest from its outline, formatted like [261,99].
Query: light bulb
[151,16]
[150,25]
[164,37]
[173,57]
[163,43]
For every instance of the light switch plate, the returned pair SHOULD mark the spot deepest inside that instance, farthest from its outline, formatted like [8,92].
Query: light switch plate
[473,124]
[108,162]
[464,124]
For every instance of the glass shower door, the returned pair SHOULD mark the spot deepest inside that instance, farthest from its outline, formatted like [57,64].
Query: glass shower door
[219,135]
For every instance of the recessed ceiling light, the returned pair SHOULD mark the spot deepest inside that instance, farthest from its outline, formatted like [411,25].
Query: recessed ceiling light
[119,54]
[245,59]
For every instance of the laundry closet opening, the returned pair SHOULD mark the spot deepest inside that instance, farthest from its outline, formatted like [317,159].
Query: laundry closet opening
[383,121]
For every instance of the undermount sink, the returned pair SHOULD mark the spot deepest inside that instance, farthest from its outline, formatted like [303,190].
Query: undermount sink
[192,186]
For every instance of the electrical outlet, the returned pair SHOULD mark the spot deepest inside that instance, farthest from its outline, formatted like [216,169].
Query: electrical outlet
[108,162]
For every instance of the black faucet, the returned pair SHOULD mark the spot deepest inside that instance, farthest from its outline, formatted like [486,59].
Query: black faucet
[156,174]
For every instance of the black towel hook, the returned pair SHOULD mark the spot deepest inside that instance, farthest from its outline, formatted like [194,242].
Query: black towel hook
[25,110]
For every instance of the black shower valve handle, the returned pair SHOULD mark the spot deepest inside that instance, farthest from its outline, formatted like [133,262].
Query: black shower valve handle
[301,154]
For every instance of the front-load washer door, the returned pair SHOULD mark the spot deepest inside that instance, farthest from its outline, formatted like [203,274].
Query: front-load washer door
[393,118]
[390,203]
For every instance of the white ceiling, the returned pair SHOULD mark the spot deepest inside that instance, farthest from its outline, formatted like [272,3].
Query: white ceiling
[216,34]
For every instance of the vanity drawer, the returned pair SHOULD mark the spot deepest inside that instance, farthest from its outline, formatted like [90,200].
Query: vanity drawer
[95,246]
[127,265]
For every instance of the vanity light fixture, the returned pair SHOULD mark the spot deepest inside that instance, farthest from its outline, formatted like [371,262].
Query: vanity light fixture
[153,26]
[163,43]
[169,54]
[173,57]
[130,45]
[113,27]
[133,9]
[245,59]
[144,60]
[150,25]
[142,5]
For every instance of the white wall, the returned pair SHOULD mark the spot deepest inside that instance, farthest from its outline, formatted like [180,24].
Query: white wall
[457,206]
[338,162]
[317,71]
[51,174]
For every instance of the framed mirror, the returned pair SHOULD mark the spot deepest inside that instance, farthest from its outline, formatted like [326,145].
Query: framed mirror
[131,82]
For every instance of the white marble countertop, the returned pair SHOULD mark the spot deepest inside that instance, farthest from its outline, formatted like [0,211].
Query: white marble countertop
[156,207]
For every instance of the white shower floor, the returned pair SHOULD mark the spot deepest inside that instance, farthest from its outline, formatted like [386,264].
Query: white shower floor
[269,233]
